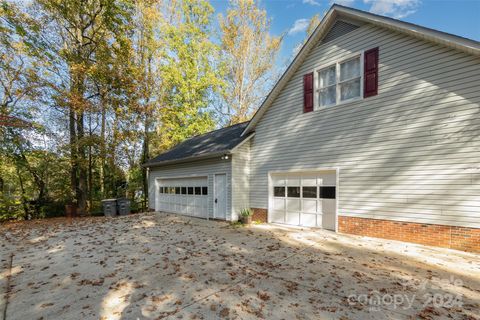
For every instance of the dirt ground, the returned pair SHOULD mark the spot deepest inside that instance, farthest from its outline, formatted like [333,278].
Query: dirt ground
[156,265]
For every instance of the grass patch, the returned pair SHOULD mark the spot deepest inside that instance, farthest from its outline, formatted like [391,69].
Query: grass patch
[236,224]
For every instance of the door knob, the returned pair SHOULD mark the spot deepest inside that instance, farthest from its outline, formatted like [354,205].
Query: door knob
[216,200]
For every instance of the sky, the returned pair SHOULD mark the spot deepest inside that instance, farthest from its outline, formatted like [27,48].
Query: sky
[290,17]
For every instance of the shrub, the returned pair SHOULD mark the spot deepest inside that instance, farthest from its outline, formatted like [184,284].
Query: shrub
[246,212]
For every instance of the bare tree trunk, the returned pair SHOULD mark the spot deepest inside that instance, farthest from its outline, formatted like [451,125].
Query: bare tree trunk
[73,154]
[145,156]
[102,149]
[90,167]
[23,196]
[82,171]
[90,177]
[39,182]
[112,159]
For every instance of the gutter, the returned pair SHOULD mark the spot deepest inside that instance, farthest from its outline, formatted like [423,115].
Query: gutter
[187,159]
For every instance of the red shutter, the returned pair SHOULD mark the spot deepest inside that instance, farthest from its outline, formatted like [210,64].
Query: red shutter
[370,73]
[308,92]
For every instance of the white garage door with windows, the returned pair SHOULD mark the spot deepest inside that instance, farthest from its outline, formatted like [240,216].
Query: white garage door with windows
[188,196]
[304,199]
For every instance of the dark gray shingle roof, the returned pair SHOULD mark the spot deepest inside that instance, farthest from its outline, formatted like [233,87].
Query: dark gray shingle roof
[217,141]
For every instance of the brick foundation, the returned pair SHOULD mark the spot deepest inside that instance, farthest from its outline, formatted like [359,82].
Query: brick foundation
[260,215]
[460,238]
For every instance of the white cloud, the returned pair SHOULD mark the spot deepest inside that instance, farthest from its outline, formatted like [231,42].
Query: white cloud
[312,2]
[300,25]
[343,2]
[395,8]
[296,49]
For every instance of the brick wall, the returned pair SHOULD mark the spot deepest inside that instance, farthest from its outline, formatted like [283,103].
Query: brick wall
[460,238]
[260,215]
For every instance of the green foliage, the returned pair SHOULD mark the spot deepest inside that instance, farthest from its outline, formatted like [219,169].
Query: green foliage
[246,212]
[248,53]
[188,72]
[101,86]
[237,224]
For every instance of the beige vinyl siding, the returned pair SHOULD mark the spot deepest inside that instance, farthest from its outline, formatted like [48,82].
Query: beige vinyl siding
[205,168]
[411,153]
[240,179]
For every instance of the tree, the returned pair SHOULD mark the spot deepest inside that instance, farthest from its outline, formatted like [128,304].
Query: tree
[147,52]
[249,53]
[188,71]
[20,86]
[20,82]
[77,31]
[105,84]
[312,25]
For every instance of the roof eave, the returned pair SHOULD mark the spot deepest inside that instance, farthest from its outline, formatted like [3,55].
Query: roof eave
[460,43]
[327,19]
[235,149]
[187,159]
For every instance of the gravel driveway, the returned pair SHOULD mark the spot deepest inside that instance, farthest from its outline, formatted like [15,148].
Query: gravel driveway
[157,265]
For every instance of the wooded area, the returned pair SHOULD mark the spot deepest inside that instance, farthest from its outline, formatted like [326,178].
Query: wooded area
[91,89]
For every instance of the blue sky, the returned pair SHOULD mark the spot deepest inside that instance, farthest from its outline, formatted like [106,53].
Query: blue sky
[453,16]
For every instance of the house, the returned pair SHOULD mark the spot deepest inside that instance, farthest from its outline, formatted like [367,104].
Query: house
[374,129]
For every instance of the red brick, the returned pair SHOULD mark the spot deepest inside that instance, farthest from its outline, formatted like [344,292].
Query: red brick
[260,215]
[460,238]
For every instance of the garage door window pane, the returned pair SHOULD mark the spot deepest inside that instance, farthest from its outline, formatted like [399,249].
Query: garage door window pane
[198,191]
[204,191]
[327,192]
[190,190]
[309,192]
[160,190]
[177,190]
[293,192]
[279,191]
[184,190]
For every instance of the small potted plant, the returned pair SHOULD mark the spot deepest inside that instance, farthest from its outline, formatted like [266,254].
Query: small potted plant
[246,216]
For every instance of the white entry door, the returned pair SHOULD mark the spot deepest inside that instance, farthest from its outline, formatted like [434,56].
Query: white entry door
[304,199]
[220,197]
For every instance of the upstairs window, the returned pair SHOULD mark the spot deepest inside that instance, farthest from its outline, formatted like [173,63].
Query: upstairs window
[350,79]
[327,95]
[339,82]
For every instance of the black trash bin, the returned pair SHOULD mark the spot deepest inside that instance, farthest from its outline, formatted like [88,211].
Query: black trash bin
[123,206]
[109,207]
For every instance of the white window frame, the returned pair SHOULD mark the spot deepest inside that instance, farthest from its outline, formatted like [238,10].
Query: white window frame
[316,81]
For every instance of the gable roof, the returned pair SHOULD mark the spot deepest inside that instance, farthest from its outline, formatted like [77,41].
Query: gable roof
[208,145]
[341,12]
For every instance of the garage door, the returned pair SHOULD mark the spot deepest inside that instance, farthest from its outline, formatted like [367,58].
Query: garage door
[188,196]
[306,199]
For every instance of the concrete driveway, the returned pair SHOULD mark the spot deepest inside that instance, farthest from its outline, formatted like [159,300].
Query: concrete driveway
[154,266]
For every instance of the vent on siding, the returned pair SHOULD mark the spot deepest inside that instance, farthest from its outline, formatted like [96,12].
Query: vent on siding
[339,29]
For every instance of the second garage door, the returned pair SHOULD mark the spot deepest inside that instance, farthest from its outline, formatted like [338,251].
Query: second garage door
[188,196]
[304,199]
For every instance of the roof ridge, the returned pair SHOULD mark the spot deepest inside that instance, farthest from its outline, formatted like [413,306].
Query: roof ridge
[403,21]
[219,140]
[201,134]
